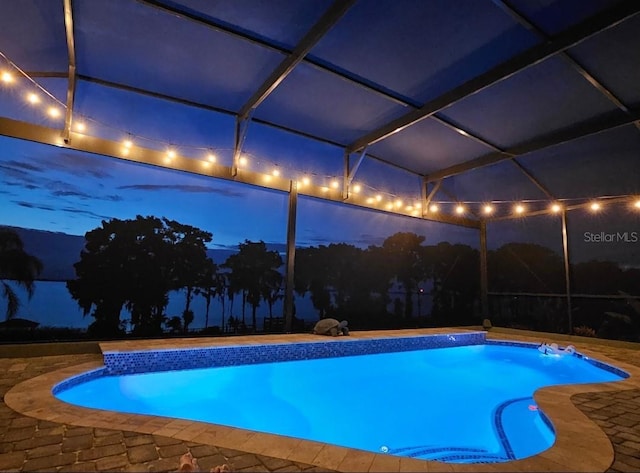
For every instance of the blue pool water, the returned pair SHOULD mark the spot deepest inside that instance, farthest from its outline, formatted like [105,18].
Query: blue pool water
[465,404]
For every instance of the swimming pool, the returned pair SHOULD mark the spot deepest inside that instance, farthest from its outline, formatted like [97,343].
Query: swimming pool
[463,404]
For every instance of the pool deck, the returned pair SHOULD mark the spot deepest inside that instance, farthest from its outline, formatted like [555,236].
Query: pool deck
[598,425]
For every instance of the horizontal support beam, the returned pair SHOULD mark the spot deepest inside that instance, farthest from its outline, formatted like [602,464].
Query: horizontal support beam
[113,149]
[584,205]
[590,127]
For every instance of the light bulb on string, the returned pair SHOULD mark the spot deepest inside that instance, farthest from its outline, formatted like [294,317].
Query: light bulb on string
[6,77]
[33,98]
[53,112]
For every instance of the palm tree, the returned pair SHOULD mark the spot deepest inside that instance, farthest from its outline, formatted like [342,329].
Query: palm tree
[17,266]
[250,267]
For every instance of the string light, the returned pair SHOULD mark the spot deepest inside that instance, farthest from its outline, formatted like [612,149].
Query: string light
[6,77]
[53,112]
[393,201]
[33,98]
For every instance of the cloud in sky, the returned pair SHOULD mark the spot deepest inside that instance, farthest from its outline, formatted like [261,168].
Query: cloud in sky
[17,165]
[31,205]
[77,164]
[190,188]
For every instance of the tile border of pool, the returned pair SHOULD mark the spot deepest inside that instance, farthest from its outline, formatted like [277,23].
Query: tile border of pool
[580,444]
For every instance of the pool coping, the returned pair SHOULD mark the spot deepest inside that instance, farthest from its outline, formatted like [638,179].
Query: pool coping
[580,444]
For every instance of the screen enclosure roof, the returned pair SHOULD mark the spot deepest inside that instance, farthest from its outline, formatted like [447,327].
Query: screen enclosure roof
[398,105]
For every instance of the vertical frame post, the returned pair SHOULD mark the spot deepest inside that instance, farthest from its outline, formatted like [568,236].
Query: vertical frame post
[567,266]
[484,281]
[291,256]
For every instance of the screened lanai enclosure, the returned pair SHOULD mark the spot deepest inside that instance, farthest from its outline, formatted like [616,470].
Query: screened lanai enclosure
[509,127]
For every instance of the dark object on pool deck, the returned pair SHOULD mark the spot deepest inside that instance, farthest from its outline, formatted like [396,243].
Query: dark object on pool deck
[331,327]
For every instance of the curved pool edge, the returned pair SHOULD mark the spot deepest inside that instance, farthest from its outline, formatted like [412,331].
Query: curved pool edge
[580,444]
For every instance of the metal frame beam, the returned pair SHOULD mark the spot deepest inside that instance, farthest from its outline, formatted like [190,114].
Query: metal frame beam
[240,134]
[291,256]
[429,197]
[567,268]
[581,130]
[71,49]
[484,279]
[521,19]
[565,40]
[350,172]
[324,24]
[532,178]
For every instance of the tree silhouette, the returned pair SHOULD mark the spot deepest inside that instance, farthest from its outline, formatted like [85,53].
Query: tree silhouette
[525,267]
[455,271]
[17,266]
[311,274]
[252,270]
[271,289]
[135,264]
[405,258]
